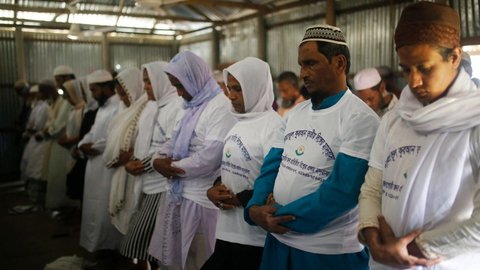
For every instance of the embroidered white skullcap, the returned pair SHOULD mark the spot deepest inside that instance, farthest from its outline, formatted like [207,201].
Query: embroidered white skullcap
[325,33]
[34,89]
[99,76]
[366,79]
[62,70]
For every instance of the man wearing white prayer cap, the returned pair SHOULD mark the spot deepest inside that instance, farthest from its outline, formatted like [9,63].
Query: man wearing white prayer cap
[62,74]
[306,195]
[57,156]
[97,231]
[371,89]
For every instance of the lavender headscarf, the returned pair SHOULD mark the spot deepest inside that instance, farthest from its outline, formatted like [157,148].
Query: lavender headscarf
[196,77]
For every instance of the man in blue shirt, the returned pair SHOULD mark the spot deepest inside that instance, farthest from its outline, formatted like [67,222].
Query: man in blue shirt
[307,193]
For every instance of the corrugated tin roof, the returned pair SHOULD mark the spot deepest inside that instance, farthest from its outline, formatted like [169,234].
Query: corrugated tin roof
[181,16]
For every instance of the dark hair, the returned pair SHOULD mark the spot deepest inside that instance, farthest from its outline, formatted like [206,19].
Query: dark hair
[289,77]
[304,92]
[331,49]
[444,52]
[109,84]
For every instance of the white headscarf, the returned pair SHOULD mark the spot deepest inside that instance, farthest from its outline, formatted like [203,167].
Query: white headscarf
[164,93]
[124,126]
[432,188]
[92,104]
[74,91]
[131,81]
[255,79]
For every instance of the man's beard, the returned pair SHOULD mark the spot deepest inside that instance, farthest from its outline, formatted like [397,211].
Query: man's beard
[102,99]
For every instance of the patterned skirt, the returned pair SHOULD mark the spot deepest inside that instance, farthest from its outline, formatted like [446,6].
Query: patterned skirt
[136,242]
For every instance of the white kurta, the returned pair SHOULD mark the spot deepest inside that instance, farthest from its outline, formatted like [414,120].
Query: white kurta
[57,156]
[97,231]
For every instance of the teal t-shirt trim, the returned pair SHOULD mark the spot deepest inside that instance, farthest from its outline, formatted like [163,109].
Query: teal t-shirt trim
[329,101]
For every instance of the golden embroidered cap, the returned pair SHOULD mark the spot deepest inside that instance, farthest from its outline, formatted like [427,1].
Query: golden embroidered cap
[427,22]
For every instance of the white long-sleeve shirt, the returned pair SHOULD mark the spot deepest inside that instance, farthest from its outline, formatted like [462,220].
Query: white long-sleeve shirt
[97,231]
[202,166]
[98,133]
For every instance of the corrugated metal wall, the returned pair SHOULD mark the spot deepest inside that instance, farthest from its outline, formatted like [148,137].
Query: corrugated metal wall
[283,40]
[202,49]
[470,16]
[239,40]
[282,46]
[134,55]
[8,71]
[10,105]
[369,34]
[42,56]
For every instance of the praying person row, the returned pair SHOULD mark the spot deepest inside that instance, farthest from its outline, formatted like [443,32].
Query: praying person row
[175,174]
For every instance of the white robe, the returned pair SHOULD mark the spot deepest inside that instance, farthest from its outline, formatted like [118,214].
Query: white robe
[97,231]
[57,155]
[34,153]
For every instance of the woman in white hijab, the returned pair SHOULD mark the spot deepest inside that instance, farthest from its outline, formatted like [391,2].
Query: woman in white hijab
[74,95]
[123,131]
[155,127]
[184,234]
[250,88]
